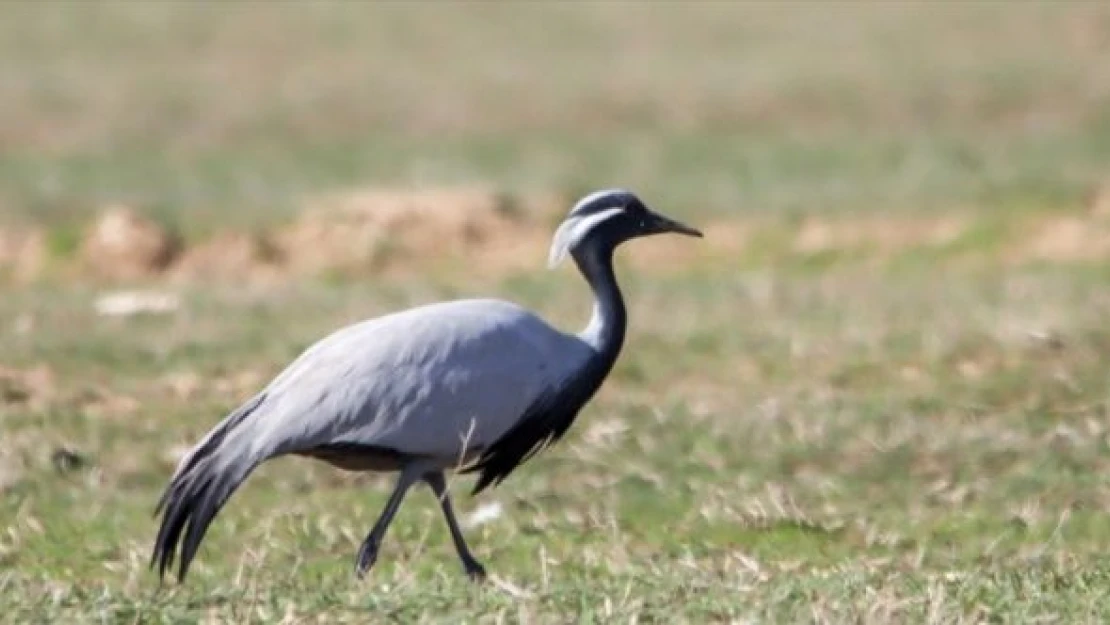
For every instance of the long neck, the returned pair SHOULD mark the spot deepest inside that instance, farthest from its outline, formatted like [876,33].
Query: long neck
[605,332]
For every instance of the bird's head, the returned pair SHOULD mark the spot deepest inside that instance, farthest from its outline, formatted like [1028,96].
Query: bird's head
[605,219]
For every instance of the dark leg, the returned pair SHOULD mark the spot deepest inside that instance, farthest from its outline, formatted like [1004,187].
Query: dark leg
[439,487]
[368,552]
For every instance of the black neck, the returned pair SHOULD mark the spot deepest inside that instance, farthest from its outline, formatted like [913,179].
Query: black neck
[549,417]
[605,332]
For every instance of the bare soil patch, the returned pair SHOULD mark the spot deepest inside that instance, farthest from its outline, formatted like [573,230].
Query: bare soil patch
[123,244]
[375,228]
[230,256]
[32,387]
[1064,239]
[22,254]
[391,232]
[877,233]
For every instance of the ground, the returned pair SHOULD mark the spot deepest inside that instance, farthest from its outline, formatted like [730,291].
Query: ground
[876,392]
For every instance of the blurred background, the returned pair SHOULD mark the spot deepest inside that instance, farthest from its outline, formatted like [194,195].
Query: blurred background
[887,356]
[197,111]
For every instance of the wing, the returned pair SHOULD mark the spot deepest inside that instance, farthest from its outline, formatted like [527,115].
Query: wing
[434,381]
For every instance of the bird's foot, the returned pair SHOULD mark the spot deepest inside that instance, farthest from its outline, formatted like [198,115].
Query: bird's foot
[476,572]
[367,556]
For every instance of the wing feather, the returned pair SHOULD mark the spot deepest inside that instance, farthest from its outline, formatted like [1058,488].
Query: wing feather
[429,381]
[545,421]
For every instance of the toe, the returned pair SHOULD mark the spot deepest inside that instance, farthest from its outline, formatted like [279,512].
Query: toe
[367,556]
[476,572]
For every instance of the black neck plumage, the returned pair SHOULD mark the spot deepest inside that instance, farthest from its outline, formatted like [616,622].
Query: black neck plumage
[552,414]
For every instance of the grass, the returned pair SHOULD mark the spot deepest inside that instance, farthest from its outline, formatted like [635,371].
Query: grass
[840,446]
[863,432]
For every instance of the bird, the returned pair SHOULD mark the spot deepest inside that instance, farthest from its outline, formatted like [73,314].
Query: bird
[466,385]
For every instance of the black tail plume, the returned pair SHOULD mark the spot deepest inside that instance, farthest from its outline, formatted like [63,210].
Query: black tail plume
[189,505]
[199,488]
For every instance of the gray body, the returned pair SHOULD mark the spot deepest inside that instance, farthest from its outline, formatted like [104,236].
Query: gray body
[478,384]
[407,382]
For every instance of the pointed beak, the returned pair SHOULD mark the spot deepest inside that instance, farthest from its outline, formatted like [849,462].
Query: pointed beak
[666,224]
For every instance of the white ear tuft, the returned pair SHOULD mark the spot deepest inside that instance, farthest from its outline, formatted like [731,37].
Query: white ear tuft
[572,231]
[560,243]
[558,251]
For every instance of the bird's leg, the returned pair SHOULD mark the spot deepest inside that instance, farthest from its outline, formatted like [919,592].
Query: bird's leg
[368,552]
[438,483]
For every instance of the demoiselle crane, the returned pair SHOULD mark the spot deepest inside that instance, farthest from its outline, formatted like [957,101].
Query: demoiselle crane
[479,384]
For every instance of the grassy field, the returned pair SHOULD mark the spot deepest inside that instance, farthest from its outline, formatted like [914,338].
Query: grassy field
[804,427]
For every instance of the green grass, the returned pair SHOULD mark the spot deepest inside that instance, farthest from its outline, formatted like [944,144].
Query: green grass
[863,433]
[839,446]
